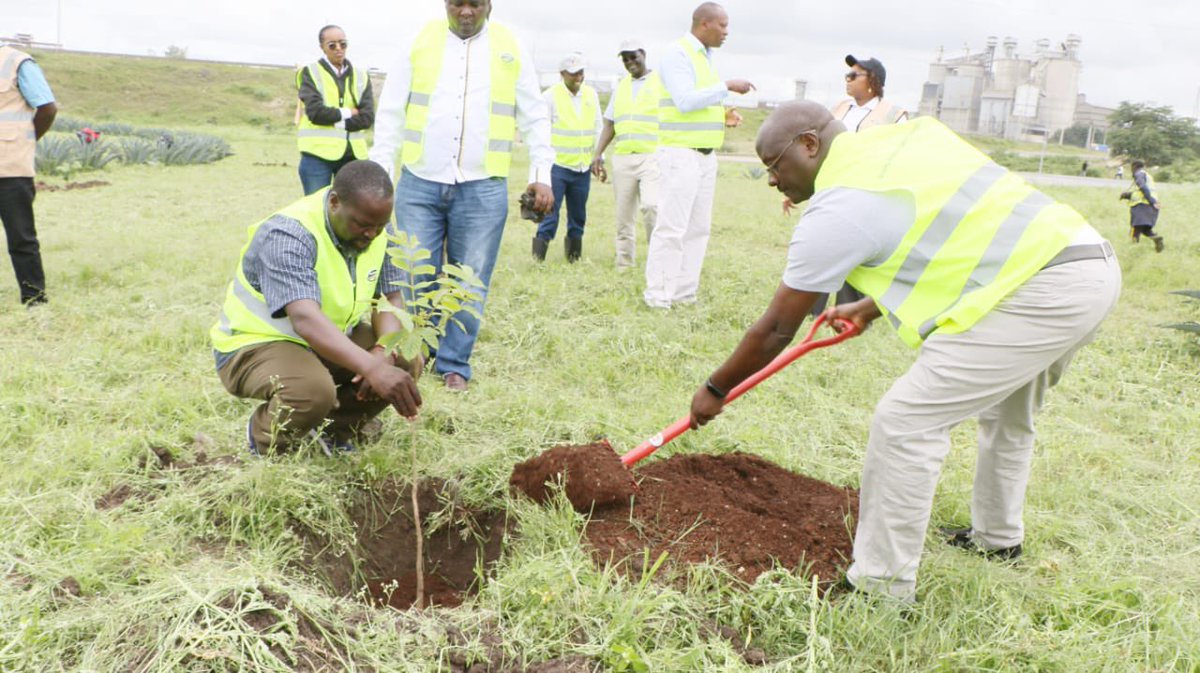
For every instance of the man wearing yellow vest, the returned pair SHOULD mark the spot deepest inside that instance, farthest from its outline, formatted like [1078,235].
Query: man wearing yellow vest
[27,111]
[574,126]
[1143,206]
[339,107]
[996,283]
[692,124]
[452,105]
[294,331]
[631,120]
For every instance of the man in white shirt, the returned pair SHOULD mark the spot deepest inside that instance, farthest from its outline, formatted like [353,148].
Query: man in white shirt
[633,131]
[575,124]
[452,105]
[691,128]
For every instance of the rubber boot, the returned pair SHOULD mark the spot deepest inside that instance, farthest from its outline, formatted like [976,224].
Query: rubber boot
[574,248]
[1158,243]
[540,245]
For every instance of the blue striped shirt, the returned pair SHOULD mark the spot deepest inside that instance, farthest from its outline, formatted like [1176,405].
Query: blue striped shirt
[281,263]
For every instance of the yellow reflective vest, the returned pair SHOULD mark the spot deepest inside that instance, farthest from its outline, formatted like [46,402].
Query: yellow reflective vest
[327,142]
[245,319]
[978,233]
[698,129]
[635,119]
[573,133]
[1135,193]
[426,61]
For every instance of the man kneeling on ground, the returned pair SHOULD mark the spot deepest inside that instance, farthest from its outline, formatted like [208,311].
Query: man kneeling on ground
[292,330]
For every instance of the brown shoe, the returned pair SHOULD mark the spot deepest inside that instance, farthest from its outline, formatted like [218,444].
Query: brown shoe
[455,382]
[1158,243]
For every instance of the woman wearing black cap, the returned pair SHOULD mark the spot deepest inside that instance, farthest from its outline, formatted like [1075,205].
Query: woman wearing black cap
[865,107]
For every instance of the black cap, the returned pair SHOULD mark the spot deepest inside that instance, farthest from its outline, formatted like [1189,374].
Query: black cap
[871,65]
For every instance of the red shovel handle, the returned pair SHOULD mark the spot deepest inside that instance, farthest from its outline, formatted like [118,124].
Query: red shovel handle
[784,359]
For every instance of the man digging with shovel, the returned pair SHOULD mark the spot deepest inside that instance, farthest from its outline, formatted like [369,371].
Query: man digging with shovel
[996,283]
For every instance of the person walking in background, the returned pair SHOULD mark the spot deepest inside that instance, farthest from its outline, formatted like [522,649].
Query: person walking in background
[339,107]
[864,109]
[996,283]
[631,125]
[292,331]
[455,99]
[1143,206]
[692,122]
[575,124]
[27,112]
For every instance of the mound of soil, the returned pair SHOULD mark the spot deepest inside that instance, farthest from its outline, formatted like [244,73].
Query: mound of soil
[593,476]
[737,509]
[386,541]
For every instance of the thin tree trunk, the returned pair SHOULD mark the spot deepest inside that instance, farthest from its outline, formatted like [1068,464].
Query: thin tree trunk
[419,601]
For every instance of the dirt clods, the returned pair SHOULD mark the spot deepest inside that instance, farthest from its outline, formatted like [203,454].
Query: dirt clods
[592,474]
[70,186]
[738,509]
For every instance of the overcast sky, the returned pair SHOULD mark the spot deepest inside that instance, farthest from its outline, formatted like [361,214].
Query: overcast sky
[1139,51]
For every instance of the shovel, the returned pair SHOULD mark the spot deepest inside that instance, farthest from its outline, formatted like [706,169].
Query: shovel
[784,359]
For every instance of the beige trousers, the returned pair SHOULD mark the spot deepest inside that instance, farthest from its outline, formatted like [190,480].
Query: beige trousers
[301,391]
[687,182]
[999,371]
[635,183]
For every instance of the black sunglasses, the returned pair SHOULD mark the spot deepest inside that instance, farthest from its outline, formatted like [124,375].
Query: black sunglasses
[854,74]
[334,44]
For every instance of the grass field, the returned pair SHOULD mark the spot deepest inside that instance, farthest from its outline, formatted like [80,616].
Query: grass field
[117,368]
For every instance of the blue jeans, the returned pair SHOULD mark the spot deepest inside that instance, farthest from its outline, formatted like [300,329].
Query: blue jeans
[317,173]
[574,187]
[465,221]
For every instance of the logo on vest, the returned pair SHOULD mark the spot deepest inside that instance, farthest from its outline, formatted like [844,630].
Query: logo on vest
[372,275]
[507,57]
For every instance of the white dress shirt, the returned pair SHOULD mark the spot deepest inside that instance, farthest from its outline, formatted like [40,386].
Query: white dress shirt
[577,100]
[857,113]
[456,136]
[679,78]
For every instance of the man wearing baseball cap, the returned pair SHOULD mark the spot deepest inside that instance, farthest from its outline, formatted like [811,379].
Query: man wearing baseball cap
[631,125]
[574,126]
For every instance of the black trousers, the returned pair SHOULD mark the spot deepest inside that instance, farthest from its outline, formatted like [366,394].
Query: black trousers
[16,210]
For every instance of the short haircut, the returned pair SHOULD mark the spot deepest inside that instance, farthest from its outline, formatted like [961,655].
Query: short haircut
[362,178]
[1138,164]
[321,33]
[704,12]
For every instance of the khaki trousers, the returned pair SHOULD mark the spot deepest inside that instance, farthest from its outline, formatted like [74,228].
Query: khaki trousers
[999,370]
[300,390]
[635,183]
[687,183]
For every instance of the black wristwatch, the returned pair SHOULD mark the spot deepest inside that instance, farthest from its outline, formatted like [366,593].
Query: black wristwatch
[716,392]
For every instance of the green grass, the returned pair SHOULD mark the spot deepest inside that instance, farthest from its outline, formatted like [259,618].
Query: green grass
[118,365]
[152,91]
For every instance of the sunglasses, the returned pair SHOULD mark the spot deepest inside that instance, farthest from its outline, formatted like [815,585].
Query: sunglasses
[336,44]
[854,74]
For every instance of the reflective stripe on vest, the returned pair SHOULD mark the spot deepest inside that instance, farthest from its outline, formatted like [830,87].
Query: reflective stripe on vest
[18,142]
[426,62]
[978,233]
[699,129]
[328,142]
[635,120]
[1135,193]
[573,134]
[245,318]
[883,113]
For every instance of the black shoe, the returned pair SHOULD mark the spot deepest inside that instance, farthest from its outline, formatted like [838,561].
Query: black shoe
[540,246]
[963,539]
[574,248]
[1158,243]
